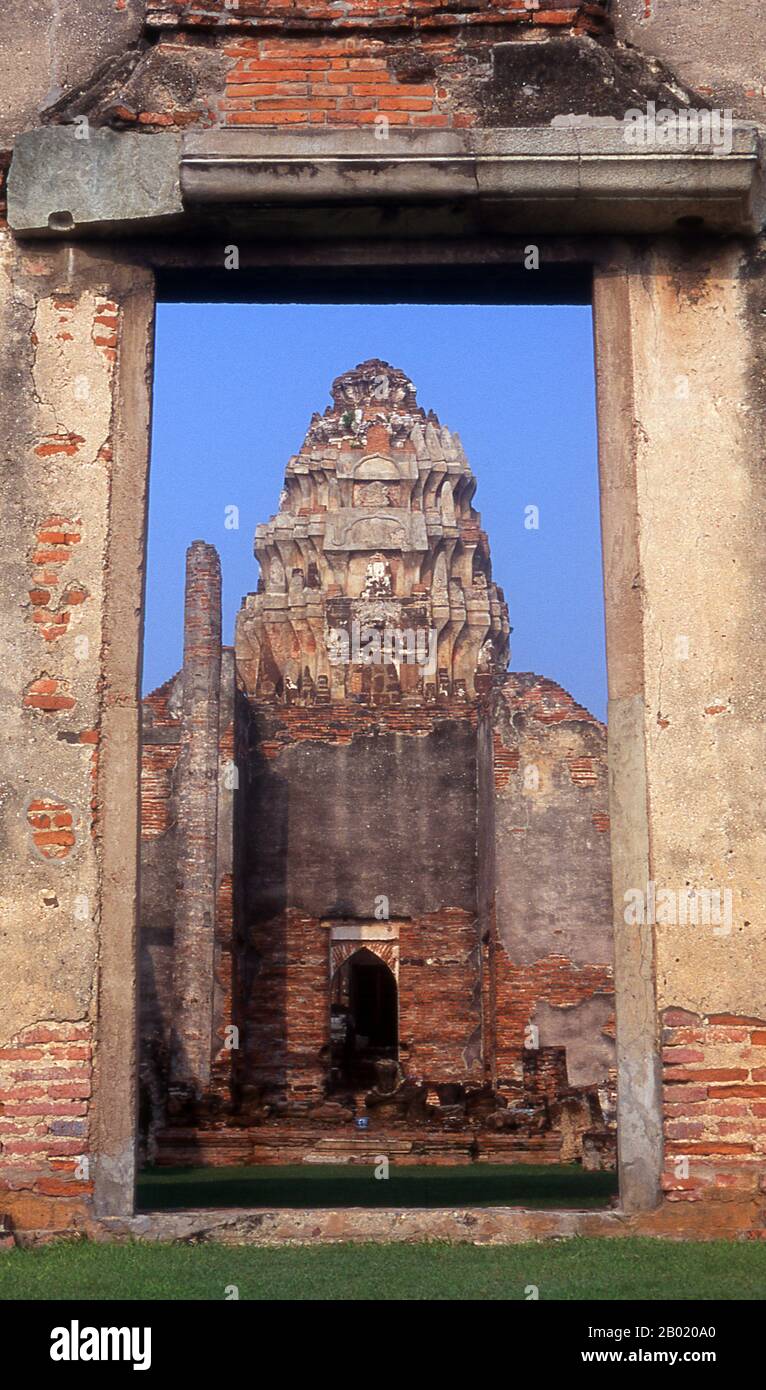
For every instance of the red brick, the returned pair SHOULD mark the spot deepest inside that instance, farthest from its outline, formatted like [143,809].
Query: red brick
[682,1054]
[735,1019]
[404,104]
[706,1074]
[712,1149]
[554,17]
[736,1092]
[680,1018]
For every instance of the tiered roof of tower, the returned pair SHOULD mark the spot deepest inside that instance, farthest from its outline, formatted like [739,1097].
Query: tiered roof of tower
[375,534]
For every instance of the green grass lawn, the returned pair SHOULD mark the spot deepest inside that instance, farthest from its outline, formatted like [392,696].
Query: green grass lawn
[355,1185]
[571,1269]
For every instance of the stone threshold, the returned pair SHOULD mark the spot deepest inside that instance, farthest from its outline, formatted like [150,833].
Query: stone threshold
[274,1227]
[473,1225]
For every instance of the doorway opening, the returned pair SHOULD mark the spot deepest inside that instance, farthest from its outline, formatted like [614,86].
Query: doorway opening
[464,798]
[364,1023]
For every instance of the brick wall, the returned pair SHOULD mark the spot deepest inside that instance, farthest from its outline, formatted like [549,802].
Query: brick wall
[45,1089]
[388,63]
[62,338]
[439,998]
[337,813]
[342,81]
[286,1010]
[159,759]
[519,989]
[341,723]
[714,1075]
[424,81]
[160,750]
[553,909]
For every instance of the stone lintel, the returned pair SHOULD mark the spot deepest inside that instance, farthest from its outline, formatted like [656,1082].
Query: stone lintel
[68,180]
[363,931]
[588,170]
[576,178]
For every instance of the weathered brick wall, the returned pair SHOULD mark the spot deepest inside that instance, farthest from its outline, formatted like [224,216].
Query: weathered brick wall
[45,1089]
[286,1010]
[223,991]
[308,779]
[160,750]
[341,724]
[286,1015]
[714,1074]
[551,963]
[464,1007]
[369,78]
[385,64]
[440,1025]
[410,61]
[340,801]
[61,343]
[360,781]
[520,990]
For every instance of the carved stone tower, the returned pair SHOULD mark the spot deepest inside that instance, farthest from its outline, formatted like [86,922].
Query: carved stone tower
[375,573]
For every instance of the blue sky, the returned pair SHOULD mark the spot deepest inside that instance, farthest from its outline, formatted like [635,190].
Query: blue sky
[235,387]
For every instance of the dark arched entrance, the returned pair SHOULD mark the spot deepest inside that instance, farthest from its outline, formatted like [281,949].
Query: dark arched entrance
[364,1019]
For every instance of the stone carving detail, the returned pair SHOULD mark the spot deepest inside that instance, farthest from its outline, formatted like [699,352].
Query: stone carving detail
[377,582]
[376,507]
[376,494]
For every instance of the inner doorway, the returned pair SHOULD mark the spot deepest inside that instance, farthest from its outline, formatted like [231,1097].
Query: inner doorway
[363,1021]
[410,1039]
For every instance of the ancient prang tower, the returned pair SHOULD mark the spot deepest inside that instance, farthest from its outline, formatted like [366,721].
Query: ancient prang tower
[375,865]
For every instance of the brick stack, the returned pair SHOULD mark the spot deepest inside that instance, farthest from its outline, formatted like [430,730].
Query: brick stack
[714,1074]
[45,1088]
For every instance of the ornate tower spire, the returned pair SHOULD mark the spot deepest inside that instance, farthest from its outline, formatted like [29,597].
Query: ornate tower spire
[375,573]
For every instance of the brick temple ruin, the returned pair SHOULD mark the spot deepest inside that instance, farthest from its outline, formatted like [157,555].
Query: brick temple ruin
[372,859]
[381,151]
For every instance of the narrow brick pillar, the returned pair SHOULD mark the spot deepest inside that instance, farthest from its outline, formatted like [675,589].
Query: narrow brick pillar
[197,801]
